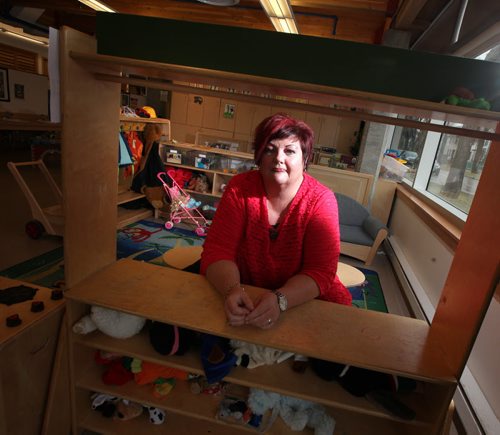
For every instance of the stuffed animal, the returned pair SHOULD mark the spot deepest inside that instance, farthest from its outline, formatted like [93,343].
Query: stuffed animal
[296,413]
[252,355]
[113,323]
[169,339]
[464,97]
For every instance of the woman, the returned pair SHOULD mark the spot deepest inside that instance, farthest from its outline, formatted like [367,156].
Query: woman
[275,228]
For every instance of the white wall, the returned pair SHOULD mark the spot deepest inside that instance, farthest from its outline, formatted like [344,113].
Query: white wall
[427,261]
[36,91]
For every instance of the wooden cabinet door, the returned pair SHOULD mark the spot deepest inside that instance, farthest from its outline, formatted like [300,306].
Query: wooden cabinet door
[329,130]
[244,119]
[195,110]
[211,107]
[179,108]
[314,121]
[260,112]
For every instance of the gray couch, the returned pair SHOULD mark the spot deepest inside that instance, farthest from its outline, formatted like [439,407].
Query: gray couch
[360,233]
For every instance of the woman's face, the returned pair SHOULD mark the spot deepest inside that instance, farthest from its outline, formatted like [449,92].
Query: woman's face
[282,161]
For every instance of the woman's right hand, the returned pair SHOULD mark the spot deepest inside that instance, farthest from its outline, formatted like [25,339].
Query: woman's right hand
[237,306]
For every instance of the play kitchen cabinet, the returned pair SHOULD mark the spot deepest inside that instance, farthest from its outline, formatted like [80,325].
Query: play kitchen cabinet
[27,354]
[434,354]
[218,165]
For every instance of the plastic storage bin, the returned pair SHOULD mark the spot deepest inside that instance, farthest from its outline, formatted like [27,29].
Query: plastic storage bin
[391,169]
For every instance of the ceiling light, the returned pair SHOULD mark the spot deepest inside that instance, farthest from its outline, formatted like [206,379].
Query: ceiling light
[220,2]
[97,5]
[281,15]
[23,37]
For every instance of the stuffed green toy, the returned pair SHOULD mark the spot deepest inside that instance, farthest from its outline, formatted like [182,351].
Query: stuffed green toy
[464,97]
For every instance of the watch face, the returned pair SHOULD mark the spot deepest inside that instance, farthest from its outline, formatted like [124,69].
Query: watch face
[282,302]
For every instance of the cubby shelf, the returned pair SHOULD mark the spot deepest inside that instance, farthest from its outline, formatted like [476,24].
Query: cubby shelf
[166,294]
[217,177]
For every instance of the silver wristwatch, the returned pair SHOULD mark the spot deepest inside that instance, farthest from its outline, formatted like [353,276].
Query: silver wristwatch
[282,301]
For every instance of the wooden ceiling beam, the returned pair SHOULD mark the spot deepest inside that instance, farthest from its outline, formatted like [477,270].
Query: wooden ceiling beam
[407,13]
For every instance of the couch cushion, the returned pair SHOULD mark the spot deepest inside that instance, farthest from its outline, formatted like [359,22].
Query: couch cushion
[351,212]
[354,234]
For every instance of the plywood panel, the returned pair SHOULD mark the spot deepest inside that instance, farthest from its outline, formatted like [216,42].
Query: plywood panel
[178,108]
[474,272]
[353,184]
[335,332]
[89,162]
[260,112]
[314,121]
[211,107]
[244,117]
[195,110]
[329,131]
[381,203]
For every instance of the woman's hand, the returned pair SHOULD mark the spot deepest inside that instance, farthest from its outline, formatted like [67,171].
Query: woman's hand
[266,312]
[237,306]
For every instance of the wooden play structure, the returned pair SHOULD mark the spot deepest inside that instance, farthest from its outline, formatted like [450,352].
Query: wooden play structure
[433,354]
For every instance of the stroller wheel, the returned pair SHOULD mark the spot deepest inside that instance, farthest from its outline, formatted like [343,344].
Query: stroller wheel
[169,225]
[176,220]
[200,231]
[34,229]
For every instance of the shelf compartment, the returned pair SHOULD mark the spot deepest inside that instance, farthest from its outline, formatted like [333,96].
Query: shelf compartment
[128,196]
[368,339]
[175,424]
[129,216]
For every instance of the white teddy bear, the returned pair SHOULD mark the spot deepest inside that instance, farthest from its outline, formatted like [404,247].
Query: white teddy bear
[113,323]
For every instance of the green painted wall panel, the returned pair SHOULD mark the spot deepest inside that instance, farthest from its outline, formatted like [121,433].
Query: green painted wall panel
[343,64]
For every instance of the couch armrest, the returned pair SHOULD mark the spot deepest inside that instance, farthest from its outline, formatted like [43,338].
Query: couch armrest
[372,226]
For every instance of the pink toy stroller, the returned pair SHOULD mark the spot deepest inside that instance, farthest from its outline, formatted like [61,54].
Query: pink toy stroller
[183,207]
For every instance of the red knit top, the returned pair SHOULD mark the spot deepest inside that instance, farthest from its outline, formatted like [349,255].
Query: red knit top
[307,240]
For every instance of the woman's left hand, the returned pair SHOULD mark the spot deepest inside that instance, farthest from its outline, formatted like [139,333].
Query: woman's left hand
[266,312]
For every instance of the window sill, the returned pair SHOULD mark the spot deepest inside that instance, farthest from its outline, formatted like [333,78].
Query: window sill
[447,226]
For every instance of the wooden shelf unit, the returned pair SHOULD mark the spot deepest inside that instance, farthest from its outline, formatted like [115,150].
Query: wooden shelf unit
[167,300]
[216,176]
[434,354]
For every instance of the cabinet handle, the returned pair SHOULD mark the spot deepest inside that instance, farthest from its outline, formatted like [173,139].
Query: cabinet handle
[43,346]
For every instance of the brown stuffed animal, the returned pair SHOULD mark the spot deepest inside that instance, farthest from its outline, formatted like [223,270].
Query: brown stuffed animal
[127,410]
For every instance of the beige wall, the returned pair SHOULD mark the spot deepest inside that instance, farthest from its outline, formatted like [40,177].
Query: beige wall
[36,89]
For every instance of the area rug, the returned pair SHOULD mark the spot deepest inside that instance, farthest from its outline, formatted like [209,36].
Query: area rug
[369,295]
[145,240]
[148,240]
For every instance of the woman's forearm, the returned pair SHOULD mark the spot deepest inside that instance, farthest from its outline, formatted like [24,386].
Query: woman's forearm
[299,289]
[223,275]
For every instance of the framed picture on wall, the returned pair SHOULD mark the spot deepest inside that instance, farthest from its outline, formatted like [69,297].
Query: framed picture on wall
[4,85]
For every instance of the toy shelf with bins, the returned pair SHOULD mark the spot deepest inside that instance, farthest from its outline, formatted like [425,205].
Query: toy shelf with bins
[121,286]
[218,165]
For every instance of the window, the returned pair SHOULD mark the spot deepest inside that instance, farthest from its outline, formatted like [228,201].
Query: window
[408,144]
[457,169]
[446,167]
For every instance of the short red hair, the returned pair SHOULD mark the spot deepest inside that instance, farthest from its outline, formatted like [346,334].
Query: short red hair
[282,126]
